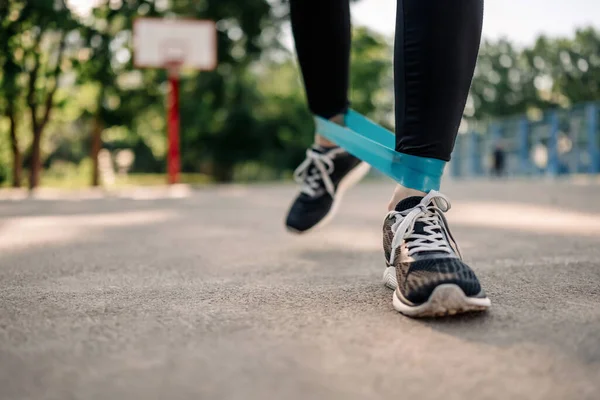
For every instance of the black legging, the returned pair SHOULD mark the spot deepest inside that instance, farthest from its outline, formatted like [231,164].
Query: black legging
[435,53]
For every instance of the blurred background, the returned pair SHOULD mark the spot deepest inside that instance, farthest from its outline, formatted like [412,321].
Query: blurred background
[69,91]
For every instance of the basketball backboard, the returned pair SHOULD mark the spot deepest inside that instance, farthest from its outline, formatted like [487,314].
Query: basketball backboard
[187,43]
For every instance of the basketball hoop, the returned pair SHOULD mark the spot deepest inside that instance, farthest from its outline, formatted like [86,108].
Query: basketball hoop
[173,53]
[161,42]
[172,45]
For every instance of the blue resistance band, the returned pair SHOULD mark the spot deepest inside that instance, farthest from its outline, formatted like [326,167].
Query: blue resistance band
[376,146]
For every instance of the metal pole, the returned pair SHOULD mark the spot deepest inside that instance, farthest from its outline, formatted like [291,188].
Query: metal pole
[474,153]
[457,157]
[553,159]
[524,146]
[593,139]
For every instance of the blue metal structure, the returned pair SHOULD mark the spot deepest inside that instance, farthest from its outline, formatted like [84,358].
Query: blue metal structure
[560,142]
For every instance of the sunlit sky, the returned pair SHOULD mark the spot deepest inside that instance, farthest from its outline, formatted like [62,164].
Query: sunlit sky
[519,20]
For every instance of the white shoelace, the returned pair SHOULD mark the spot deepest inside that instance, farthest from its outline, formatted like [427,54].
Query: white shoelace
[430,211]
[324,167]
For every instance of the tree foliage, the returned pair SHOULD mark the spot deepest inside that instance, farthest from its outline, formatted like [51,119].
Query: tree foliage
[35,38]
[551,73]
[68,87]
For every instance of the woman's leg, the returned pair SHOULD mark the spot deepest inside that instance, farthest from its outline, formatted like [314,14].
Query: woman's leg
[322,34]
[435,54]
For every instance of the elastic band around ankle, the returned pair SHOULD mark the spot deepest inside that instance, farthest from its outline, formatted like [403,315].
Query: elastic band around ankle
[375,145]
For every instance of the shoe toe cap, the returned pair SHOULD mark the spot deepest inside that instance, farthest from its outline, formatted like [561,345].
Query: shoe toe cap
[306,214]
[425,275]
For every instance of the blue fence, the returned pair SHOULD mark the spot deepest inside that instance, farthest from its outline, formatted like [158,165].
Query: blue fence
[561,142]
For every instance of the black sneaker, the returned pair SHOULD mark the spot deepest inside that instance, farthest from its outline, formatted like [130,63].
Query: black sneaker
[325,175]
[424,264]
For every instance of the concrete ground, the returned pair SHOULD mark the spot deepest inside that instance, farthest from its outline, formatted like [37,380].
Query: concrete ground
[205,296]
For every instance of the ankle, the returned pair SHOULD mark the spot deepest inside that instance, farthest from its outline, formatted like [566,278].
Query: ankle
[321,141]
[401,193]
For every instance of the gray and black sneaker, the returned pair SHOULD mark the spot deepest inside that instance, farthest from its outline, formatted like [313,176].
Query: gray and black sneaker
[325,175]
[424,264]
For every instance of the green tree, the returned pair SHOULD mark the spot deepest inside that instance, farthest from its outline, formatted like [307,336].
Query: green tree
[38,42]
[371,82]
[504,82]
[568,69]
[551,73]
[220,121]
[9,88]
[104,38]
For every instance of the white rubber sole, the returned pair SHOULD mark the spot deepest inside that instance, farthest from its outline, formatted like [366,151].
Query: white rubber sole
[346,183]
[446,299]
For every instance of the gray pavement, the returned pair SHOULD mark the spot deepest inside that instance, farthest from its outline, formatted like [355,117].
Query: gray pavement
[205,296]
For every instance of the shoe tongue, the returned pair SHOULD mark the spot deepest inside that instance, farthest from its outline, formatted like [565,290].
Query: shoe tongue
[313,170]
[419,226]
[408,203]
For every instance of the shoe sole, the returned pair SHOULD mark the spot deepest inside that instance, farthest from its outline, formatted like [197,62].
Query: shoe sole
[446,299]
[346,183]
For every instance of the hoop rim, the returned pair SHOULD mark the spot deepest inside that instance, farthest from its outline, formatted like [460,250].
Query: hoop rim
[173,67]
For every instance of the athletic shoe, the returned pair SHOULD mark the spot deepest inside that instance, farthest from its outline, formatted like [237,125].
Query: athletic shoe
[325,175]
[424,264]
